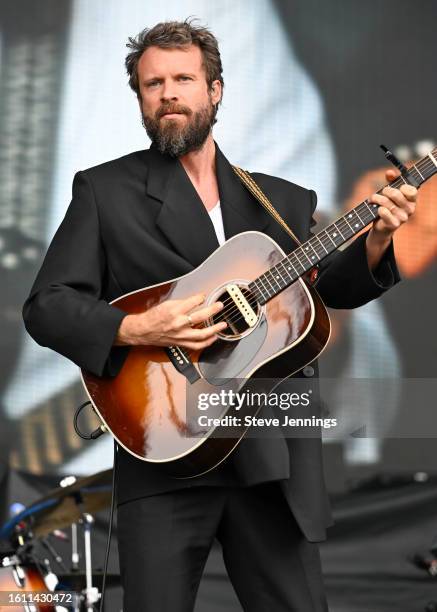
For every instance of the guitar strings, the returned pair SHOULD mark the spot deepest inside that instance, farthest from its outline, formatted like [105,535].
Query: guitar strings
[230,309]
[229,305]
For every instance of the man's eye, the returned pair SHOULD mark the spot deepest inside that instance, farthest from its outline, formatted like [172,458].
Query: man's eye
[185,78]
[152,84]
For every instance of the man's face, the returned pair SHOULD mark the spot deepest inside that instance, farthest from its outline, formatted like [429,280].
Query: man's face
[176,104]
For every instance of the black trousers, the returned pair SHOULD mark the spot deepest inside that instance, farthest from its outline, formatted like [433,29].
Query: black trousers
[164,541]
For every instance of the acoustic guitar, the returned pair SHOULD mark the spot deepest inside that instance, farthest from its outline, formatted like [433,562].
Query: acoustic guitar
[269,308]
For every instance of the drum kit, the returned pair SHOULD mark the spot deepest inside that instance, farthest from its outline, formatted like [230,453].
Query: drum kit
[27,580]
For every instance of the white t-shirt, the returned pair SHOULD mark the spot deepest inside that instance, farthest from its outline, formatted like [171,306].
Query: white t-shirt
[217,221]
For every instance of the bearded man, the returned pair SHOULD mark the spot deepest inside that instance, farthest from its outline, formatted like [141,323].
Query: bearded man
[155,215]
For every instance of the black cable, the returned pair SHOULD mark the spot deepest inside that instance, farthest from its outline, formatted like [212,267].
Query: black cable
[94,434]
[111,517]
[75,418]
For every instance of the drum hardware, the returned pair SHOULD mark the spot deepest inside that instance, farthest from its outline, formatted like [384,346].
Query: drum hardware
[71,505]
[19,576]
[90,595]
[53,552]
[50,578]
[74,548]
[66,482]
[22,571]
[17,571]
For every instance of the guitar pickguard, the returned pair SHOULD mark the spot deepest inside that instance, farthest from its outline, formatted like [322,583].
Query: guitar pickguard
[230,359]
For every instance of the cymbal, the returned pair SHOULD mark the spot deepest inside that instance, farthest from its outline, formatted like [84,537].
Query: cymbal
[63,506]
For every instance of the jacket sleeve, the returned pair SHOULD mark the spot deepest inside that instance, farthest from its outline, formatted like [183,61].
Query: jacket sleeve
[65,310]
[345,279]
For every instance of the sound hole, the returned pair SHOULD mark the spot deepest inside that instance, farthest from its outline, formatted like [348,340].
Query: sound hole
[236,313]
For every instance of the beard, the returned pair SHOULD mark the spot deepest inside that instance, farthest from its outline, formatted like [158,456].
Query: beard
[174,139]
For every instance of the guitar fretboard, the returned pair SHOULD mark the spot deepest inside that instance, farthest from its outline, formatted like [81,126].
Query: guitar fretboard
[319,246]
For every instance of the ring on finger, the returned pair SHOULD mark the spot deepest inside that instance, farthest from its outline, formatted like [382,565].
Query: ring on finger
[190,321]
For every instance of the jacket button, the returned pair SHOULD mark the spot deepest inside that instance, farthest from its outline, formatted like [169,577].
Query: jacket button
[308,371]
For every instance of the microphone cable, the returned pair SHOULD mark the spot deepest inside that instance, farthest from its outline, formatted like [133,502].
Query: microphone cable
[111,520]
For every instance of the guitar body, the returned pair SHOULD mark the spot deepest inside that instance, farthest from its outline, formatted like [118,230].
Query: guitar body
[145,405]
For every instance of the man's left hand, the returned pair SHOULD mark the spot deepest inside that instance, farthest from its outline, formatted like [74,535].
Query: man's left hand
[395,208]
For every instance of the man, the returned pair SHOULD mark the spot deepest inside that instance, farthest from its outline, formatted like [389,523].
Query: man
[141,220]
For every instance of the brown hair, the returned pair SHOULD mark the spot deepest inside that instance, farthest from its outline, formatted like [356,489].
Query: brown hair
[171,35]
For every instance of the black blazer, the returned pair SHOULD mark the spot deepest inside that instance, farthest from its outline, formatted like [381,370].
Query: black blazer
[137,221]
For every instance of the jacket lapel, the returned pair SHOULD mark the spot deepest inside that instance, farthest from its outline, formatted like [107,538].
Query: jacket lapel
[183,218]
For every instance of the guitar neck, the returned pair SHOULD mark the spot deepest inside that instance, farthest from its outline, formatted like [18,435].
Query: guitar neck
[319,246]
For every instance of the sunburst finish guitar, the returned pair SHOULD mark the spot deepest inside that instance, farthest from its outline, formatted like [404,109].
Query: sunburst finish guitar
[269,310]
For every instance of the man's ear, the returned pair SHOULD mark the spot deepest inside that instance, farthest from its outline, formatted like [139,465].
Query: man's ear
[216,91]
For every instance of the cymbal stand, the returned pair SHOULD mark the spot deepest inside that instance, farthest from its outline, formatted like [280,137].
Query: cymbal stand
[74,549]
[65,482]
[91,593]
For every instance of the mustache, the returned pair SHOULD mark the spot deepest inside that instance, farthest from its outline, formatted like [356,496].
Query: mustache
[164,109]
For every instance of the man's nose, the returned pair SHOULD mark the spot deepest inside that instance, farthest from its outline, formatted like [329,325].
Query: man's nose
[168,92]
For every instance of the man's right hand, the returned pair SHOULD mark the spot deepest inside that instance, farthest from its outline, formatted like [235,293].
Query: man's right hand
[172,322]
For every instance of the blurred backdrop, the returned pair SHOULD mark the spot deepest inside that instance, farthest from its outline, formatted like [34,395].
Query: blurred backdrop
[311,89]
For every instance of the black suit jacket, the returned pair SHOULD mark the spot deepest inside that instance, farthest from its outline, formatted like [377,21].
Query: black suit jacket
[137,221]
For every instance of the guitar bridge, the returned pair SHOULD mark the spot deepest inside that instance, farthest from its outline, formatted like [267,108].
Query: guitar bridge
[182,362]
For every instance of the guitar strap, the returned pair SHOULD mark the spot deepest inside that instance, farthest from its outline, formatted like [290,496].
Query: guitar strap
[257,192]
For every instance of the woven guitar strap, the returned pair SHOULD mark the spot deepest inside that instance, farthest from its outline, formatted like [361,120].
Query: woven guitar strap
[256,191]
